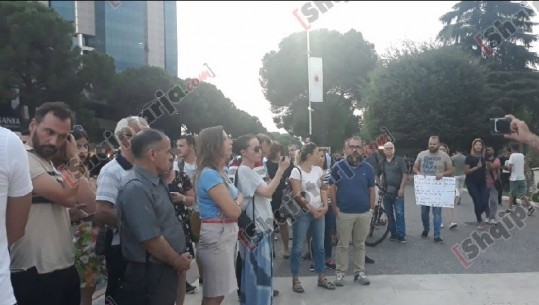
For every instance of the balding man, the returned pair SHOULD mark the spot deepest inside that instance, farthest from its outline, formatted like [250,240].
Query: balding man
[393,179]
[153,240]
[108,183]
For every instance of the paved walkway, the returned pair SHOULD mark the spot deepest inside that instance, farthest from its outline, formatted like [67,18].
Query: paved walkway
[427,289]
[421,272]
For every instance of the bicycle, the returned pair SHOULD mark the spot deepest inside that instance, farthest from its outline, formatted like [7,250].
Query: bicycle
[379,228]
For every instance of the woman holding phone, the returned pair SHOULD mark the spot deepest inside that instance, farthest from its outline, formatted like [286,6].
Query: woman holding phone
[91,267]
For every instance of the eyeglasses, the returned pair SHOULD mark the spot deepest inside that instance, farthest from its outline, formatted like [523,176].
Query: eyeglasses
[352,147]
[257,149]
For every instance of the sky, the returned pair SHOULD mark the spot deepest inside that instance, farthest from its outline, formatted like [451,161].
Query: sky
[233,37]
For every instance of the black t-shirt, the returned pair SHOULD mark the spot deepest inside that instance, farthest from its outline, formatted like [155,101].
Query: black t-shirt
[502,162]
[478,177]
[272,170]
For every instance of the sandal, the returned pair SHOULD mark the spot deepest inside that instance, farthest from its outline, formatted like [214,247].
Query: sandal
[296,287]
[326,284]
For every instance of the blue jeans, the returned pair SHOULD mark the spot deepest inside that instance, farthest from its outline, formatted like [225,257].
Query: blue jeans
[479,194]
[300,228]
[425,217]
[395,210]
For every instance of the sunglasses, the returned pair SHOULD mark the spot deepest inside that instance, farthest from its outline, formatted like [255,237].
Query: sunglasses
[77,128]
[257,149]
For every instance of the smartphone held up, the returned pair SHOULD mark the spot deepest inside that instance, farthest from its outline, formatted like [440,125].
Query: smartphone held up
[500,126]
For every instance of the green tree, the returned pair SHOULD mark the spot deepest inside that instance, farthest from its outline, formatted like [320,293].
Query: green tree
[285,139]
[440,91]
[98,74]
[471,18]
[347,59]
[204,106]
[37,61]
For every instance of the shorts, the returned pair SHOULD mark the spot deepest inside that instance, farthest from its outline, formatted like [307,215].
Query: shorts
[518,188]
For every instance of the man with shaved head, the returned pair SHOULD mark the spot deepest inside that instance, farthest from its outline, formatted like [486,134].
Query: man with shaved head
[394,177]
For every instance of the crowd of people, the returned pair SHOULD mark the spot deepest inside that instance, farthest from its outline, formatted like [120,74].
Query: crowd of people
[73,220]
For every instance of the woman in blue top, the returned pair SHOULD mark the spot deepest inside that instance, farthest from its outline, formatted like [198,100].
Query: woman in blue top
[219,203]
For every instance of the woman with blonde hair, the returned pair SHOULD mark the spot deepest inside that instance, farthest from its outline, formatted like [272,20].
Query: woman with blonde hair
[219,204]
[476,180]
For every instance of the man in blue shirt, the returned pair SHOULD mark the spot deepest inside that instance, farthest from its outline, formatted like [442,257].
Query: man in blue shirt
[352,191]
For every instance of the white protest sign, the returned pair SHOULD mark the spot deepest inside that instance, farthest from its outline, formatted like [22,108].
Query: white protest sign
[434,193]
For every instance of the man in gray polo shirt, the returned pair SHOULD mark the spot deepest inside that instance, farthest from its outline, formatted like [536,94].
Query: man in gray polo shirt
[153,241]
[394,176]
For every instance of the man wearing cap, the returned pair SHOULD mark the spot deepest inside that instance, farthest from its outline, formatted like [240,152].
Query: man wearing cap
[108,184]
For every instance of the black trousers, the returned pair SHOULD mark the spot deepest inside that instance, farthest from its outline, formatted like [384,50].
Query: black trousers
[60,287]
[116,265]
[152,284]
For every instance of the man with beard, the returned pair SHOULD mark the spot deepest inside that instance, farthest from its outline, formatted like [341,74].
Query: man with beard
[352,195]
[433,162]
[42,261]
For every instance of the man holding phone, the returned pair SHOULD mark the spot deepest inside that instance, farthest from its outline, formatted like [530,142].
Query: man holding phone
[43,261]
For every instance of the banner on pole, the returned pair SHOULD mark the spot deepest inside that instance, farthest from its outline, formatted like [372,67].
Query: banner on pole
[316,84]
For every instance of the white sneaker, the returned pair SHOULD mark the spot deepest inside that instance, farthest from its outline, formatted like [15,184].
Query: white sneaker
[453,225]
[442,225]
[493,221]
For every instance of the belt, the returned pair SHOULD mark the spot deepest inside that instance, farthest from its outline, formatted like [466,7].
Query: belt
[219,220]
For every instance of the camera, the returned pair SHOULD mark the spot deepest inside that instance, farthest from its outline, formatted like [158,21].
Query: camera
[500,126]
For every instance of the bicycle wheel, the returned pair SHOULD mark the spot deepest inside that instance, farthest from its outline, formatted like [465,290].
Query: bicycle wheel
[379,227]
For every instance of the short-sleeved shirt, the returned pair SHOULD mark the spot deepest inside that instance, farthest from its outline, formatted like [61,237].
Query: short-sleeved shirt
[146,212]
[108,184]
[208,179]
[517,170]
[47,243]
[478,177]
[259,168]
[353,186]
[459,161]
[248,183]
[310,184]
[188,168]
[433,163]
[272,170]
[393,171]
[14,182]
[375,160]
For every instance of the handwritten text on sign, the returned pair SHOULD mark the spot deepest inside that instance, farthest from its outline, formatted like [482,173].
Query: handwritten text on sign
[434,193]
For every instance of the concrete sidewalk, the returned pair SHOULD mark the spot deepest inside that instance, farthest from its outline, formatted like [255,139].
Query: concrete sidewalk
[427,289]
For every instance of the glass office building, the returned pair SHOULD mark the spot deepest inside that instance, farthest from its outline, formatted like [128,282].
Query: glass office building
[134,33]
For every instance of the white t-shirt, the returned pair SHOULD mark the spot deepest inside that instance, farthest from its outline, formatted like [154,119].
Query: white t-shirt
[14,182]
[310,184]
[188,168]
[108,186]
[248,181]
[517,170]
